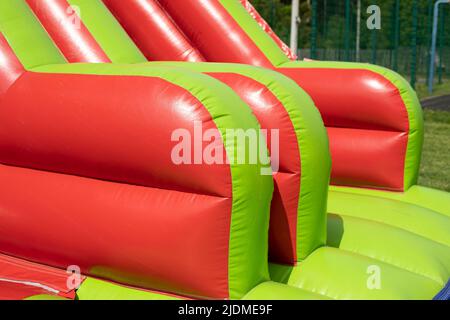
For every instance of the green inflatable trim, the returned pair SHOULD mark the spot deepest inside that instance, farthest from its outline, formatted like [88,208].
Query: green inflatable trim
[247,264]
[95,289]
[340,274]
[273,52]
[278,291]
[415,219]
[392,245]
[428,198]
[262,40]
[107,31]
[313,145]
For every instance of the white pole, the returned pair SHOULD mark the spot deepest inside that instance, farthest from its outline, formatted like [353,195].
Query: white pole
[433,42]
[358,31]
[295,20]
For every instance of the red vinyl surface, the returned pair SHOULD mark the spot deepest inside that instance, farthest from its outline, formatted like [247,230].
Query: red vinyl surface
[19,291]
[347,98]
[271,114]
[75,165]
[68,31]
[146,237]
[366,167]
[140,18]
[204,22]
[112,136]
[10,67]
[368,135]
[365,110]
[197,26]
[20,279]
[110,128]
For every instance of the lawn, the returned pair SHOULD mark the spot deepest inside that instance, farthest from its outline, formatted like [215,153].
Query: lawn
[438,90]
[435,168]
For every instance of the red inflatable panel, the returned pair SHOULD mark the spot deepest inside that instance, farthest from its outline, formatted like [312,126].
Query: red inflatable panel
[10,67]
[374,155]
[20,279]
[347,98]
[283,218]
[68,31]
[149,238]
[329,89]
[199,20]
[141,18]
[272,115]
[108,132]
[19,291]
[367,158]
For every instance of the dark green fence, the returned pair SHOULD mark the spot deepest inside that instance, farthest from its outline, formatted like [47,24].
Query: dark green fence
[328,31]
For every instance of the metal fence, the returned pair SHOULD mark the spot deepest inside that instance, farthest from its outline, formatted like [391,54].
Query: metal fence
[329,31]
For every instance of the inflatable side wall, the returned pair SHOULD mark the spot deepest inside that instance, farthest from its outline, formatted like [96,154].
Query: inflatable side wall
[86,153]
[113,202]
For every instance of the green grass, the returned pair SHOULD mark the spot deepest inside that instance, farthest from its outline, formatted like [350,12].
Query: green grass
[438,89]
[435,168]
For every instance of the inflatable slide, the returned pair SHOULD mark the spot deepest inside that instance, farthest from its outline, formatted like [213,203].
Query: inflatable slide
[92,205]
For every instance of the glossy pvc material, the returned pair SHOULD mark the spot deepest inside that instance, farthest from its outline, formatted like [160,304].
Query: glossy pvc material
[288,110]
[45,297]
[119,120]
[362,221]
[20,279]
[94,166]
[400,247]
[398,153]
[226,277]
[76,172]
[428,198]
[71,195]
[199,20]
[267,29]
[25,35]
[62,23]
[349,96]
[277,291]
[10,66]
[328,270]
[101,24]
[167,43]
[104,246]
[413,218]
[304,161]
